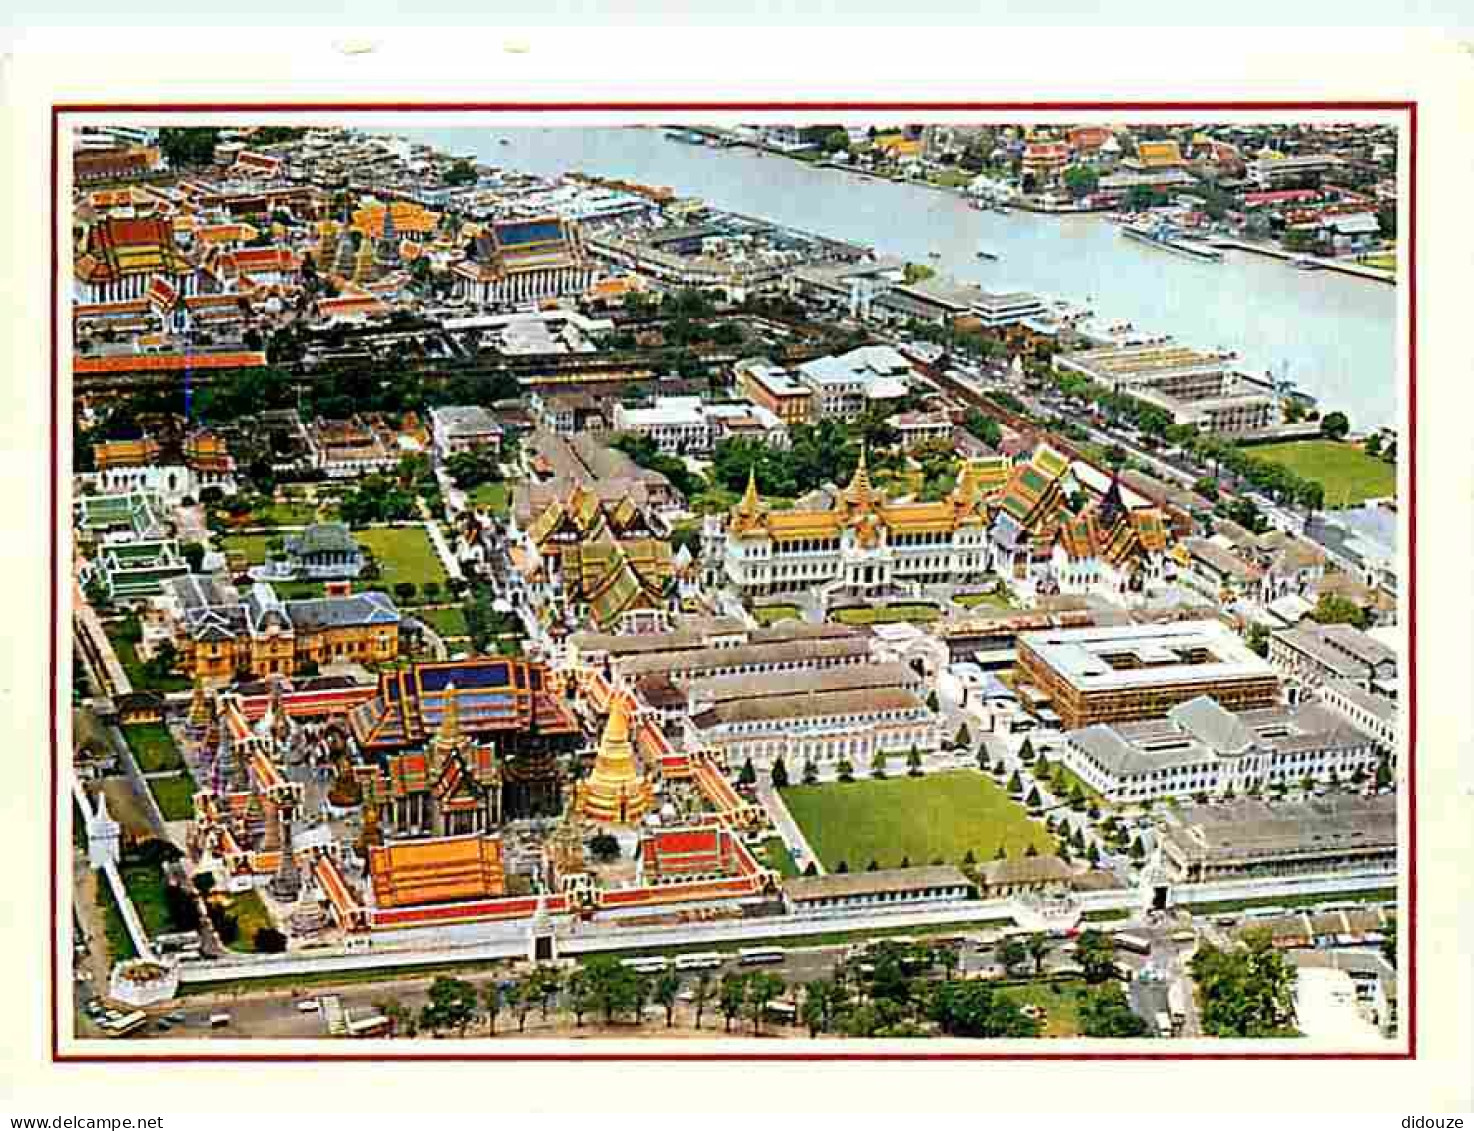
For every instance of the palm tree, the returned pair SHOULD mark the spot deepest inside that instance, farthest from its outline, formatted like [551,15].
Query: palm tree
[1037,945]
[665,991]
[732,997]
[701,996]
[491,1001]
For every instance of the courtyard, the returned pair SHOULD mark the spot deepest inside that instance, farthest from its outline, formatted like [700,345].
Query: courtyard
[937,817]
[1348,475]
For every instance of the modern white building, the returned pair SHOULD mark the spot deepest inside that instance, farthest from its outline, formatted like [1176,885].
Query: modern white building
[677,425]
[846,385]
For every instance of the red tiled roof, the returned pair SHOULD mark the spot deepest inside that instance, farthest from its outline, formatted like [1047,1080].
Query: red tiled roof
[166,362]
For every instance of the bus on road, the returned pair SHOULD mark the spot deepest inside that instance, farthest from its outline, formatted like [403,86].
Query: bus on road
[761,955]
[1137,944]
[646,965]
[125,1025]
[708,960]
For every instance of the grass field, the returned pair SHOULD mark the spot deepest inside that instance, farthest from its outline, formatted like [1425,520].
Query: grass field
[127,655]
[772,614]
[175,796]
[153,747]
[775,854]
[447,622]
[495,497]
[1060,1001]
[1346,472]
[404,553]
[886,614]
[992,600]
[941,815]
[119,941]
[145,886]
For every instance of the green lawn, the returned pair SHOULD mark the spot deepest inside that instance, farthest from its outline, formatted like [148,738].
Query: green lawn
[1346,472]
[153,747]
[886,614]
[285,514]
[772,614]
[940,815]
[998,600]
[495,497]
[1059,999]
[447,622]
[119,941]
[775,854]
[950,178]
[175,796]
[404,553]
[145,886]
[128,656]
[251,546]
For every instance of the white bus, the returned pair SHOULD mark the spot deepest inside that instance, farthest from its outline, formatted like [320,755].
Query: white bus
[1164,1025]
[782,1011]
[760,955]
[646,965]
[219,1020]
[708,960]
[126,1024]
[375,1025]
[1137,944]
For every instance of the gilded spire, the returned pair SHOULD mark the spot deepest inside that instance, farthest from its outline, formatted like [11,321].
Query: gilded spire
[450,721]
[860,492]
[750,500]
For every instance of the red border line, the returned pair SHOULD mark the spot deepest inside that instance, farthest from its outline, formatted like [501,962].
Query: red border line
[1410,108]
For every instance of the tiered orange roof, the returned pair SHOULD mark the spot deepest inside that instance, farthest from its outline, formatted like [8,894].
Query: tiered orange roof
[439,870]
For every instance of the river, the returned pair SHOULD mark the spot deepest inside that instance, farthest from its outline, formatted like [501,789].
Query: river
[1334,335]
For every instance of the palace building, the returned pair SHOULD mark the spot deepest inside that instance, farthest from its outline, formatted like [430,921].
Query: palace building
[219,633]
[588,557]
[515,262]
[1050,525]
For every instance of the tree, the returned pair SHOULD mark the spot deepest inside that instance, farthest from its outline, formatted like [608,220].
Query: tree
[1245,992]
[975,1009]
[521,996]
[748,774]
[780,774]
[605,847]
[582,995]
[877,764]
[913,763]
[1015,785]
[1037,944]
[1334,426]
[701,995]
[1104,1012]
[666,990]
[963,739]
[460,173]
[491,1001]
[818,996]
[1332,608]
[452,1005]
[1096,954]
[1014,954]
[1080,180]
[1026,752]
[1383,779]
[846,770]
[873,866]
[762,989]
[731,997]
[811,772]
[268,940]
[837,142]
[194,554]
[614,987]
[1389,943]
[932,702]
[1138,850]
[1373,444]
[1034,801]
[841,868]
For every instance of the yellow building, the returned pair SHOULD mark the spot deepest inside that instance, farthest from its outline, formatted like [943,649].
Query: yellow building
[218,633]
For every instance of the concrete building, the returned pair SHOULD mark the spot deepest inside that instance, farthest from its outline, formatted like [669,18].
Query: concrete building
[1247,838]
[677,425]
[1376,714]
[463,428]
[869,891]
[1200,748]
[1315,654]
[845,386]
[1084,676]
[772,388]
[841,714]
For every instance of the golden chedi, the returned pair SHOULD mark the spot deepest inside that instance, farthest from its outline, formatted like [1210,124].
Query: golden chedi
[616,792]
